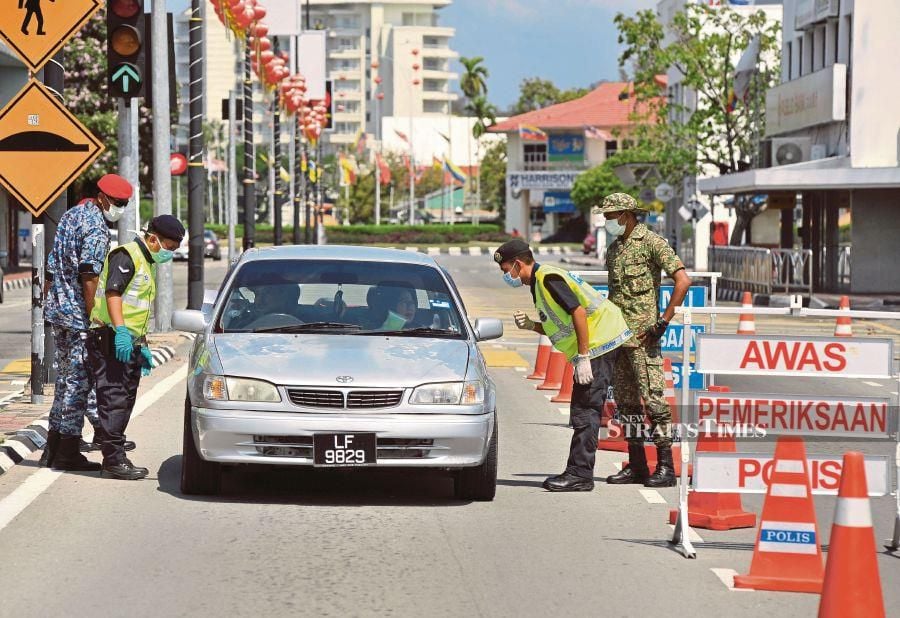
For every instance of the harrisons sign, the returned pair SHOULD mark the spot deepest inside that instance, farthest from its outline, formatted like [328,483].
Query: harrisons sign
[520,181]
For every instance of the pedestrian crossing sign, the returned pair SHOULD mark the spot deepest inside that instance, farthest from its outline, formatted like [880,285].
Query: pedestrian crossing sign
[36,29]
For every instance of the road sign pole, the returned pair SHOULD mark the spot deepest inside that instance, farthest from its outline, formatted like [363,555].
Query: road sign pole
[196,174]
[232,172]
[127,225]
[162,175]
[249,162]
[37,313]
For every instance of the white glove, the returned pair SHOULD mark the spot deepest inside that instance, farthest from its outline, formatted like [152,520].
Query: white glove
[523,321]
[583,373]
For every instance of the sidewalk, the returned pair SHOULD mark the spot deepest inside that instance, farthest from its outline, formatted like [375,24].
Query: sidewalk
[23,425]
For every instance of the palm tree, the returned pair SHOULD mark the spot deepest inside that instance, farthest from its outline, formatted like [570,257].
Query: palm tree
[474,81]
[485,114]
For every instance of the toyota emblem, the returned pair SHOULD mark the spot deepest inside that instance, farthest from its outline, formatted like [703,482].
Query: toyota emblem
[344,379]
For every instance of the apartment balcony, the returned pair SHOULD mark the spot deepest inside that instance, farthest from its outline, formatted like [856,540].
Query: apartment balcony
[442,31]
[341,138]
[339,53]
[339,75]
[354,95]
[438,51]
[439,95]
[439,74]
[344,31]
[348,116]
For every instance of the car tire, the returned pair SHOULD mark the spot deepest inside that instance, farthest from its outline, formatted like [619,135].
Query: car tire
[480,483]
[198,476]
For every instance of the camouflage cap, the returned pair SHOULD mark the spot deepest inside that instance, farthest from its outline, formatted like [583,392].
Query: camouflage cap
[617,202]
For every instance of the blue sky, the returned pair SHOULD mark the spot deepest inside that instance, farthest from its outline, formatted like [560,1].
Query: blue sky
[570,42]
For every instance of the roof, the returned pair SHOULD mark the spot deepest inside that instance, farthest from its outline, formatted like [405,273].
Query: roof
[600,108]
[337,252]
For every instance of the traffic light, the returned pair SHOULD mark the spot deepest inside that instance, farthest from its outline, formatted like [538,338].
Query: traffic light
[126,47]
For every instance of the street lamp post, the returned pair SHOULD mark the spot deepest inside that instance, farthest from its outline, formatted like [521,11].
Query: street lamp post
[412,141]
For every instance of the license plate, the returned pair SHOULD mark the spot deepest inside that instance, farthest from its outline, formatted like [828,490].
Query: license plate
[344,449]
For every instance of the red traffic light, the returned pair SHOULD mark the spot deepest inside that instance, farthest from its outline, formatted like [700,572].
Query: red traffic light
[125,9]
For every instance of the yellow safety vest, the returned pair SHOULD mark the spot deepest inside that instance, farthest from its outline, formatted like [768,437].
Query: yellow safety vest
[606,325]
[137,297]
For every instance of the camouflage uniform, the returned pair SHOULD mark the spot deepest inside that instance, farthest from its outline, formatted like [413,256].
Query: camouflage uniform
[635,266]
[80,245]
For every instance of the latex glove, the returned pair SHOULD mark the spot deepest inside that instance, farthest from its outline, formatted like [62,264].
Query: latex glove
[146,361]
[583,373]
[124,344]
[523,321]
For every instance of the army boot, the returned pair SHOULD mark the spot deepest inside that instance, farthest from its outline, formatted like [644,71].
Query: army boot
[664,475]
[49,453]
[70,459]
[636,472]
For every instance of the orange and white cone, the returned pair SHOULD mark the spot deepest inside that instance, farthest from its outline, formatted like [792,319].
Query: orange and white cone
[842,326]
[746,323]
[542,359]
[788,555]
[556,367]
[568,382]
[852,586]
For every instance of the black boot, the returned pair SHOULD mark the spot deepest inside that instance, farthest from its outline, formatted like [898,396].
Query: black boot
[125,471]
[568,482]
[97,444]
[664,475]
[636,472]
[49,453]
[69,458]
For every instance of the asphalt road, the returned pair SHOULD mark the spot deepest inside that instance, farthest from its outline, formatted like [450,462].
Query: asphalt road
[376,542]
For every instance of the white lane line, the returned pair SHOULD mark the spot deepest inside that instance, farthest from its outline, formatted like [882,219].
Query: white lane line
[617,465]
[549,397]
[726,576]
[37,483]
[692,535]
[652,496]
[563,411]
[870,383]
[520,369]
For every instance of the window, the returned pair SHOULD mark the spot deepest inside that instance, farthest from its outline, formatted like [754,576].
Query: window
[409,19]
[534,156]
[346,128]
[346,21]
[611,148]
[788,50]
[434,85]
[434,107]
[433,64]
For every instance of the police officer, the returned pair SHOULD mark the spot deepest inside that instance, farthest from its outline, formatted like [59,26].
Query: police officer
[635,261]
[73,266]
[588,330]
[117,344]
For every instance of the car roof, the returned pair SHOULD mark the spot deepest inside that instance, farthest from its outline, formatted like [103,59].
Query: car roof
[337,252]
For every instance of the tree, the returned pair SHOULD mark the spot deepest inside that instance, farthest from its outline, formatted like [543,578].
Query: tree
[593,185]
[536,93]
[492,172]
[704,44]
[474,80]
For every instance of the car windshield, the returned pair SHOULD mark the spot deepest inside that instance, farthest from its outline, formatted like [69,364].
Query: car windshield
[340,297]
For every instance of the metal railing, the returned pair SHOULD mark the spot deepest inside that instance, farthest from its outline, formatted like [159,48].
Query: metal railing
[761,270]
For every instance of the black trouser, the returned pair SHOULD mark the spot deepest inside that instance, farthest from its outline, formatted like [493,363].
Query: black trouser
[117,384]
[584,415]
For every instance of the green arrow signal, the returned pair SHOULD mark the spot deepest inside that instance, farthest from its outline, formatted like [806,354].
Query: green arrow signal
[128,76]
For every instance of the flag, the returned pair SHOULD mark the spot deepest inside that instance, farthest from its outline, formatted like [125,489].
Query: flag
[402,136]
[304,165]
[313,172]
[348,170]
[595,133]
[359,144]
[446,137]
[406,162]
[530,133]
[436,163]
[384,169]
[420,174]
[455,171]
[743,73]
[283,174]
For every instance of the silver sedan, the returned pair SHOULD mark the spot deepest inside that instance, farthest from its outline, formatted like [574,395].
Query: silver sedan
[339,357]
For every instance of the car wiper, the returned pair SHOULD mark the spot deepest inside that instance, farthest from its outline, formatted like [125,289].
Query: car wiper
[422,330]
[308,328]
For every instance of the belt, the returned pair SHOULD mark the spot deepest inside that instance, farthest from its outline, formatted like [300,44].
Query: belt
[97,331]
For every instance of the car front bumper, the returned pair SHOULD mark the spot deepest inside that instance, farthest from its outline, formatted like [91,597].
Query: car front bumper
[283,438]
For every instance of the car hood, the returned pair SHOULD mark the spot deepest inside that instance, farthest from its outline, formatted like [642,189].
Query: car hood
[317,360]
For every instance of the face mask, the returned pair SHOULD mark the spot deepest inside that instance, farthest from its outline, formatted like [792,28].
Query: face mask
[510,281]
[614,227]
[114,213]
[163,255]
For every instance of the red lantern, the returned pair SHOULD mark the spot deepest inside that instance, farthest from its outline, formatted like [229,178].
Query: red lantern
[374,64]
[415,66]
[259,12]
[379,96]
[416,82]
[377,80]
[415,51]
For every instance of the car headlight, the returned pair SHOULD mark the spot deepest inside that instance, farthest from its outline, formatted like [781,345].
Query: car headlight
[219,388]
[449,393]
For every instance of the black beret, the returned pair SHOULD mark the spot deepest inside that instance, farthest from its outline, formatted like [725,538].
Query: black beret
[167,226]
[510,249]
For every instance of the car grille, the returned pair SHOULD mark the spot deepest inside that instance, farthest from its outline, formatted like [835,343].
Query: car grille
[302,446]
[351,400]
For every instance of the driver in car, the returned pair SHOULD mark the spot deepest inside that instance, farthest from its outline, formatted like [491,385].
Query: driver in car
[268,301]
[391,307]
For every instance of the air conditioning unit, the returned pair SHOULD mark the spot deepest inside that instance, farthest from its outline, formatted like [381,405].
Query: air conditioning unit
[789,150]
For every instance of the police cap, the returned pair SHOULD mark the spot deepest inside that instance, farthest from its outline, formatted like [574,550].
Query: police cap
[167,226]
[511,249]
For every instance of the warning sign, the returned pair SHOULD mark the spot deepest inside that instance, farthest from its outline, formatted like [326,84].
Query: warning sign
[43,147]
[750,473]
[37,29]
[846,357]
[797,414]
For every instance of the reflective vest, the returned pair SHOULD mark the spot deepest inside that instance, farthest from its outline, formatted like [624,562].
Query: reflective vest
[137,297]
[606,326]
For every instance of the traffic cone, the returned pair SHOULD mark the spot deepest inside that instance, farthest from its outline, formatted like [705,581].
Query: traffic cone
[568,380]
[746,323]
[787,556]
[842,326]
[542,359]
[716,510]
[556,366]
[852,586]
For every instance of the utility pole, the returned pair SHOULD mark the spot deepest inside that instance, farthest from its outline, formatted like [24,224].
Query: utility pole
[196,175]
[249,167]
[232,172]
[128,167]
[276,160]
[162,175]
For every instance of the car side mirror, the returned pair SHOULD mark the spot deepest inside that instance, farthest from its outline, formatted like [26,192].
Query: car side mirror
[488,328]
[189,320]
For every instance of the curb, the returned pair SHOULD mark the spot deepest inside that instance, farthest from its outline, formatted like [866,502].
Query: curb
[457,251]
[16,283]
[24,442]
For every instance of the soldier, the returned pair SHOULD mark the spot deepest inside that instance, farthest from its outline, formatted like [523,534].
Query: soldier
[635,261]
[588,330]
[73,266]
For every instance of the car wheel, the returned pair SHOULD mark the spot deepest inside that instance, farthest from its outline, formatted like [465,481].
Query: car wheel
[217,256]
[198,476]
[480,483]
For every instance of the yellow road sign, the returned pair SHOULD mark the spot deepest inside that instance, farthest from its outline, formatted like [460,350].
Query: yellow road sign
[43,147]
[37,29]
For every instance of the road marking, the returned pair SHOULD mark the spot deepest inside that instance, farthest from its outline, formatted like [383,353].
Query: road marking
[652,496]
[870,383]
[726,576]
[693,536]
[549,396]
[36,484]
[524,369]
[617,465]
[20,365]
[503,358]
[563,410]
